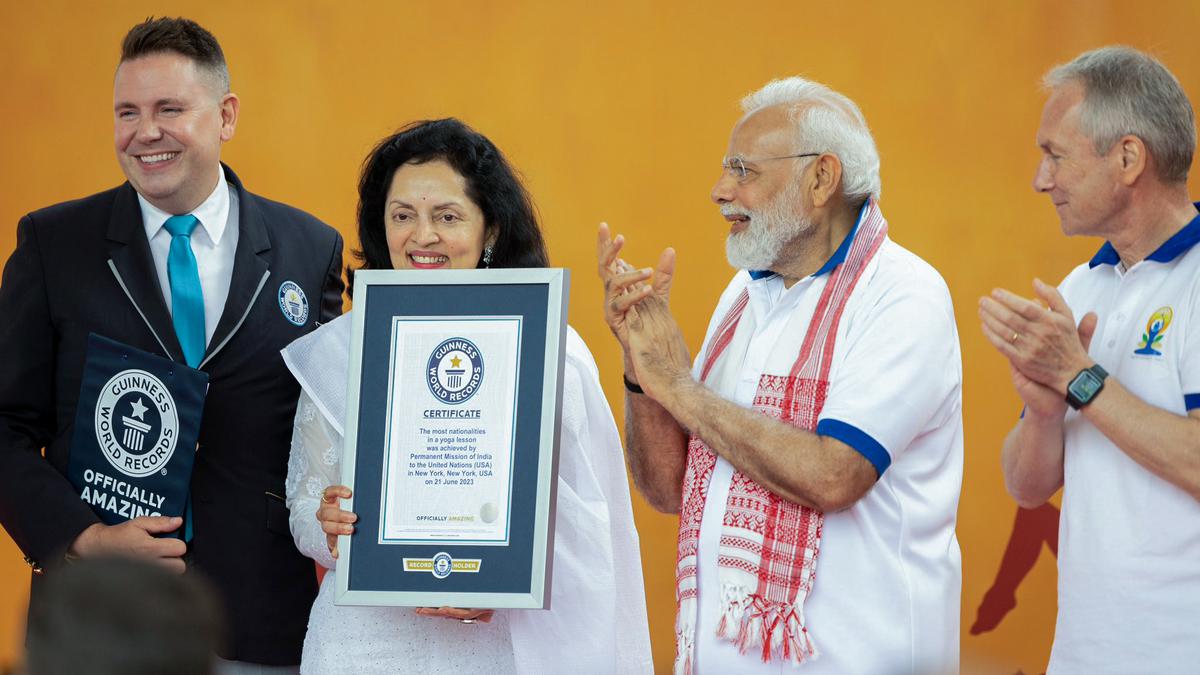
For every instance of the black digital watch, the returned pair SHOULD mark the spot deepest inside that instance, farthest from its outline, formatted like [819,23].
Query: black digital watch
[1085,386]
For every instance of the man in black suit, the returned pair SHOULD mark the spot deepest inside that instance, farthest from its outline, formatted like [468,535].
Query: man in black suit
[242,278]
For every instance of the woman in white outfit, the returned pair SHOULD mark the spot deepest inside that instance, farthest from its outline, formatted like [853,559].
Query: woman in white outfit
[438,195]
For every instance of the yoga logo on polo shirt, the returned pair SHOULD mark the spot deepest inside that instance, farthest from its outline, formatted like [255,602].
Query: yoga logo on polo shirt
[1156,328]
[137,425]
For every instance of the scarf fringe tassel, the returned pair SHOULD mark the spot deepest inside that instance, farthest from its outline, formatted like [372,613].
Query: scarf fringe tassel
[685,630]
[771,627]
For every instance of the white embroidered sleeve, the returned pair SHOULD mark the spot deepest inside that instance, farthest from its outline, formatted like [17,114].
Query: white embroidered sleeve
[313,465]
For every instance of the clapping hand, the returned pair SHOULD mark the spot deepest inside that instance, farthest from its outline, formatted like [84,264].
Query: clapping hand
[1044,346]
[637,310]
[623,285]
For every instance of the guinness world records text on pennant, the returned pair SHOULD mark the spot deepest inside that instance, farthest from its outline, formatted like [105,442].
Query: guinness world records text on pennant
[136,427]
[451,445]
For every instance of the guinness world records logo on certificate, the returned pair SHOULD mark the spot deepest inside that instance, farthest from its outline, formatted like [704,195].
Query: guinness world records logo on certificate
[455,370]
[451,437]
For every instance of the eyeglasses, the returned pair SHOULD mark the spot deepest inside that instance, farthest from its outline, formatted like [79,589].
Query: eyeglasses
[738,165]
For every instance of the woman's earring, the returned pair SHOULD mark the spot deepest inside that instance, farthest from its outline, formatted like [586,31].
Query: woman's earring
[487,256]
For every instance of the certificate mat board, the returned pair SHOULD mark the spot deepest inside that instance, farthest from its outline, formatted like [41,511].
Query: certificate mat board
[453,413]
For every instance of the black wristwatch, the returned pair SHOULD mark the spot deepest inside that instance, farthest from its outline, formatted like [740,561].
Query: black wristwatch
[1085,386]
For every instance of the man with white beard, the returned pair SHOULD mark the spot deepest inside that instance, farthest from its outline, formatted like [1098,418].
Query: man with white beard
[814,448]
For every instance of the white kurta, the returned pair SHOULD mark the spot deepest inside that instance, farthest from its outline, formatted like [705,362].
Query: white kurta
[597,623]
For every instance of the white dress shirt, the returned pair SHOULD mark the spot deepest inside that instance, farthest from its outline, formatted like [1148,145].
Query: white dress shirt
[213,243]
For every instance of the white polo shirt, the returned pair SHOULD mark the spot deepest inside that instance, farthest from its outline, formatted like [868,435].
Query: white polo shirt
[1129,541]
[886,595]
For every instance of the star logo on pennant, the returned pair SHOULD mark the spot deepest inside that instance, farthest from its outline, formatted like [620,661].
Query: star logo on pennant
[138,409]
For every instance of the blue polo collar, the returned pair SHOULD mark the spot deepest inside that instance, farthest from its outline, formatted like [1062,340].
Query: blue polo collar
[1179,243]
[838,256]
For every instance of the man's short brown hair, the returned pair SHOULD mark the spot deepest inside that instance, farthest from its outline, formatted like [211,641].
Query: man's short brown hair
[181,36]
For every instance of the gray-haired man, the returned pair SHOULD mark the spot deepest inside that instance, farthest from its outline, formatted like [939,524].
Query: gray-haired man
[1112,404]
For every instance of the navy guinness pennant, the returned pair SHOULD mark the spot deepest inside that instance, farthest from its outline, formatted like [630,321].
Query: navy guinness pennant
[136,427]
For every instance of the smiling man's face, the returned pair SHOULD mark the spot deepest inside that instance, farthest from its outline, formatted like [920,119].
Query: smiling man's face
[763,203]
[170,121]
[1083,185]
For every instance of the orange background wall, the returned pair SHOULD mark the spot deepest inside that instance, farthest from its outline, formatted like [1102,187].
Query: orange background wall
[620,111]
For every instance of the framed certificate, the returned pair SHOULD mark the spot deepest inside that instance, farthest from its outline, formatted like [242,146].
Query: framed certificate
[451,443]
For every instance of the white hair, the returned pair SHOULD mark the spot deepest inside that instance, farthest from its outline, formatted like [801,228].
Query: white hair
[826,121]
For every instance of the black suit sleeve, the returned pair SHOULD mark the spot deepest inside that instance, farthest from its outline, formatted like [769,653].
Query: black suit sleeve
[332,287]
[38,506]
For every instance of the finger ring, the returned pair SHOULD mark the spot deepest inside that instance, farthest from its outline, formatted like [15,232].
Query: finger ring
[466,620]
[325,497]
[1014,337]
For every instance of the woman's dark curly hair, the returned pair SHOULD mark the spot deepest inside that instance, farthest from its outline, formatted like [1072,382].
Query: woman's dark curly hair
[491,184]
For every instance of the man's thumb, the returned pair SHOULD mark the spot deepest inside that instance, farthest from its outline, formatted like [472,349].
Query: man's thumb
[158,524]
[1087,328]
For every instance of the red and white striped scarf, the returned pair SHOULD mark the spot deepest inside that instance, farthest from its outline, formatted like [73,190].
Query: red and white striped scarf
[767,561]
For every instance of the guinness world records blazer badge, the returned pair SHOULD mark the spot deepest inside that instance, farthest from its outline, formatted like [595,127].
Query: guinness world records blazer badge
[136,426]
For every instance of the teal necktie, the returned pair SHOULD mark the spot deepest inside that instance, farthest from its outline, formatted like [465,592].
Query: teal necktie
[187,298]
[187,307]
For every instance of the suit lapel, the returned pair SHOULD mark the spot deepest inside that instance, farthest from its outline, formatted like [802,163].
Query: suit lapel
[251,267]
[132,264]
